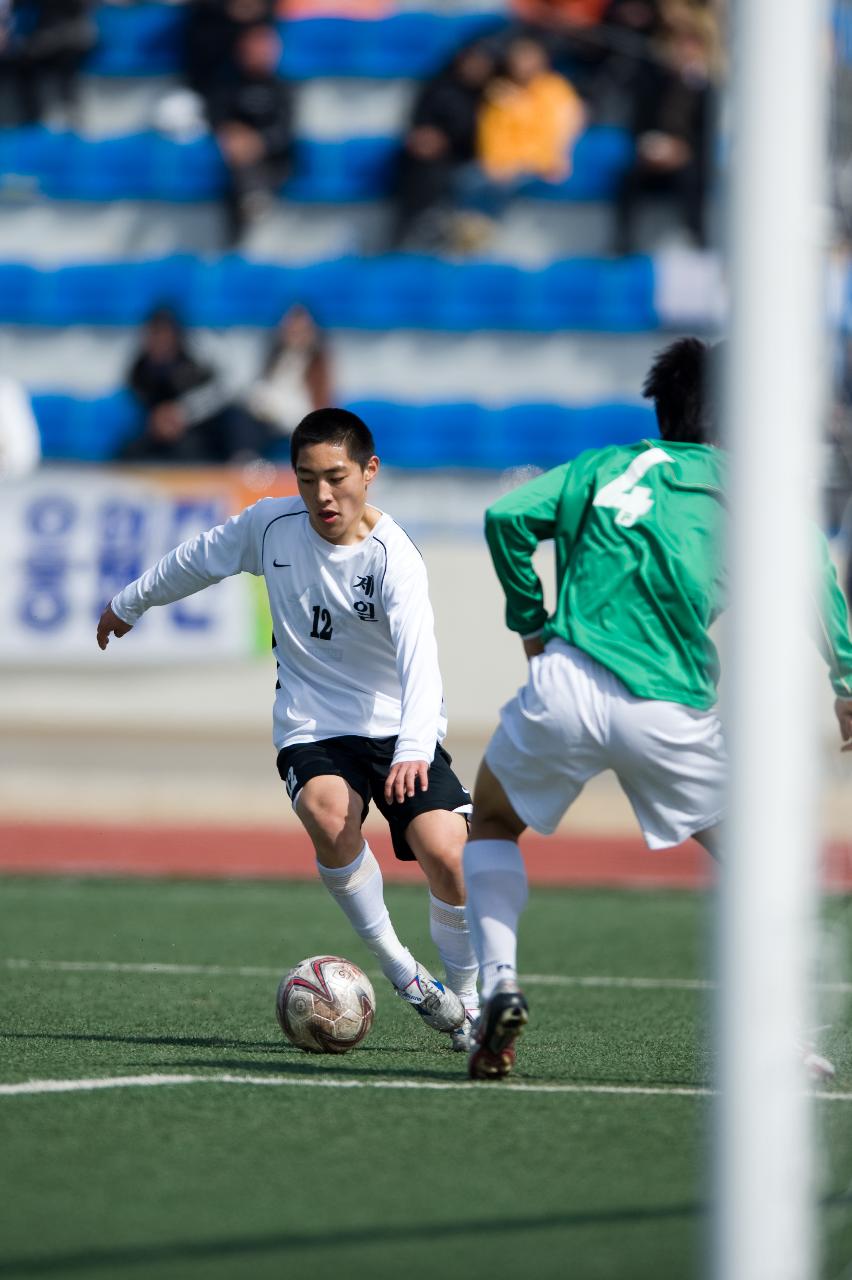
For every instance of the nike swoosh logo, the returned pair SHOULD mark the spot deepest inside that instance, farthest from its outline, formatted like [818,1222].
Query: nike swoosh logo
[282,565]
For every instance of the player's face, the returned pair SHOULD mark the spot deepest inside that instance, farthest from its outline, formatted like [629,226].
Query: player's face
[334,488]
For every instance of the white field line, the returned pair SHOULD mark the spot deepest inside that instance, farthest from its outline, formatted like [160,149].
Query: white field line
[265,971]
[30,1087]
[155,967]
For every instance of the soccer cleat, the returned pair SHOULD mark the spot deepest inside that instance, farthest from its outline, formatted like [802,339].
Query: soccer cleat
[818,1068]
[504,1016]
[460,1037]
[438,1006]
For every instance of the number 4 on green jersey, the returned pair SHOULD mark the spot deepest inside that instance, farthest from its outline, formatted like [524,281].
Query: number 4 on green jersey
[632,499]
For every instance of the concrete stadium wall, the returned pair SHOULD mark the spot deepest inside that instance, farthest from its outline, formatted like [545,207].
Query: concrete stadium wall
[481,662]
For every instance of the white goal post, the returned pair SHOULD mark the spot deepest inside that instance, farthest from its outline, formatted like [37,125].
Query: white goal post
[775,364]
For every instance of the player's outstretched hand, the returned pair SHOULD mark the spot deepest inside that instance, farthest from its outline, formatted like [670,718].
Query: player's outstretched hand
[110,624]
[402,777]
[843,711]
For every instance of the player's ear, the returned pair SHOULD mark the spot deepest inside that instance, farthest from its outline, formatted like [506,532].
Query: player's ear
[371,470]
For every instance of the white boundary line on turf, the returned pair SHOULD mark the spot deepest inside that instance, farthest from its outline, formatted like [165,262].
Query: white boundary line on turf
[265,971]
[116,966]
[30,1087]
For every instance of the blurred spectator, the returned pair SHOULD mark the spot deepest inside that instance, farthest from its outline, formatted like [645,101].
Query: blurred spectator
[630,28]
[594,42]
[441,138]
[527,126]
[640,17]
[573,35]
[212,30]
[46,44]
[188,414]
[295,379]
[673,124]
[530,119]
[20,444]
[252,120]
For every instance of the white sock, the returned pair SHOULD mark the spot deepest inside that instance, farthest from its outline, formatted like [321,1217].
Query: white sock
[496,882]
[359,890]
[451,935]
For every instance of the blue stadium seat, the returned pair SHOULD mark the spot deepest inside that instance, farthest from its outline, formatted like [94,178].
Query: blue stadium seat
[147,40]
[150,166]
[470,435]
[142,166]
[382,293]
[403,291]
[442,435]
[86,430]
[143,40]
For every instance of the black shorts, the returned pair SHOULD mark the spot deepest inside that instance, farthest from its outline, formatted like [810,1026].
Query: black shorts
[365,764]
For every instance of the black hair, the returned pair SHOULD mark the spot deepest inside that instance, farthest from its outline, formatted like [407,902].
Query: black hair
[334,426]
[682,384]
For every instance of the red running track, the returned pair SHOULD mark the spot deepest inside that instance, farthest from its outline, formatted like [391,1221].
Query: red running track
[96,849]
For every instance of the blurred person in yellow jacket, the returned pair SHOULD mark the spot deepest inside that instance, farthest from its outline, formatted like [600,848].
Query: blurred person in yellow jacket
[527,126]
[530,119]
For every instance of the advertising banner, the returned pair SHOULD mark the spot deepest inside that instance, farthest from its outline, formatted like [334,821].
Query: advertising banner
[70,539]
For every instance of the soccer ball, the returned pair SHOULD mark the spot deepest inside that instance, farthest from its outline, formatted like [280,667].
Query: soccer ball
[325,1005]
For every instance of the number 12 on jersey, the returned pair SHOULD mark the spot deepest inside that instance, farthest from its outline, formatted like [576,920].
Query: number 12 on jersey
[321,630]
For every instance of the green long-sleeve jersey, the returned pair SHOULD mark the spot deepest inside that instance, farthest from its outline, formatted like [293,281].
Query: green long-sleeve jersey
[639,570]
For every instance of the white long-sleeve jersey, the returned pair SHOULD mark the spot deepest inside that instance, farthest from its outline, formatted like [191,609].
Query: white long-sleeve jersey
[353,628]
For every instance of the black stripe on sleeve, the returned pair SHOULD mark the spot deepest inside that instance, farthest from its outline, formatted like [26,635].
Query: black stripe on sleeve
[384,571]
[284,516]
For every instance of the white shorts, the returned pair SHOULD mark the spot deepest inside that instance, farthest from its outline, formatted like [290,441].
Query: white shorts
[574,719]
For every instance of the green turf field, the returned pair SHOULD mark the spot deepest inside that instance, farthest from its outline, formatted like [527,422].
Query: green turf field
[242,1180]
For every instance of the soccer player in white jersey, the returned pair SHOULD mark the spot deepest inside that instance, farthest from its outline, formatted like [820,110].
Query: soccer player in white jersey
[359,712]
[623,672]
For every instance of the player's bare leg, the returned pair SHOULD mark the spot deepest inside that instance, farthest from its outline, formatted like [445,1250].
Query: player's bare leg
[330,811]
[496,883]
[711,840]
[437,840]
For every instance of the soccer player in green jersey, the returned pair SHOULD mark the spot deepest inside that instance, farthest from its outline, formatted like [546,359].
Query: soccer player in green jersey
[623,673]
